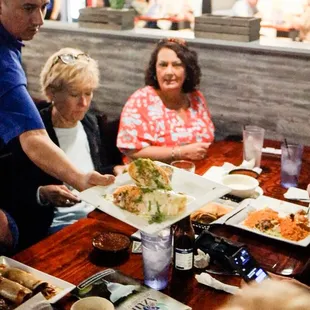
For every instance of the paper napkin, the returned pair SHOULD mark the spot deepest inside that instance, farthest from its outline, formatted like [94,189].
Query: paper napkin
[216,173]
[296,193]
[206,279]
[37,302]
[202,260]
[271,150]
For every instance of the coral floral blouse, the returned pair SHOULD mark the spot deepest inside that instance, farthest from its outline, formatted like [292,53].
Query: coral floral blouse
[145,121]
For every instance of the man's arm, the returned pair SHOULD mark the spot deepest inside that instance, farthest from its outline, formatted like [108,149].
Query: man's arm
[50,158]
[56,9]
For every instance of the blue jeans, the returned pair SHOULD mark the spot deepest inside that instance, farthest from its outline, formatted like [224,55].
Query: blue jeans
[14,231]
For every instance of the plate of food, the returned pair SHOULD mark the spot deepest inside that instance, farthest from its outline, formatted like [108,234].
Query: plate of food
[153,195]
[19,283]
[274,219]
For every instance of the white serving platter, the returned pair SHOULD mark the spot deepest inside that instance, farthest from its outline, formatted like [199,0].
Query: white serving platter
[64,286]
[198,189]
[282,207]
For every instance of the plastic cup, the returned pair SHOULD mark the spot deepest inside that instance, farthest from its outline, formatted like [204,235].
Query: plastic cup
[184,164]
[291,159]
[156,254]
[253,140]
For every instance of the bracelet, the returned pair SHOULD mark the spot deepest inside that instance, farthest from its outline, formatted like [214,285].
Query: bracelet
[179,152]
[172,154]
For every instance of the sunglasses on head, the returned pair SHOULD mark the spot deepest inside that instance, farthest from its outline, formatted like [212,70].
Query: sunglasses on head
[173,40]
[70,58]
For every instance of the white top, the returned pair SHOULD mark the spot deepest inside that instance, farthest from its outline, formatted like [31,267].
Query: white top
[73,141]
[242,8]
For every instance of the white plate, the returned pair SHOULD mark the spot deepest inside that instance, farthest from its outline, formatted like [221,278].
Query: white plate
[258,192]
[198,188]
[282,207]
[216,174]
[64,286]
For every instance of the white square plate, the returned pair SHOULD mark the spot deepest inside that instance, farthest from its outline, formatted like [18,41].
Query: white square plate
[282,207]
[198,189]
[64,286]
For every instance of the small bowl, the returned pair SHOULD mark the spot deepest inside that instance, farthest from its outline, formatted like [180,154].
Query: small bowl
[242,185]
[110,248]
[92,302]
[248,172]
[111,242]
[184,164]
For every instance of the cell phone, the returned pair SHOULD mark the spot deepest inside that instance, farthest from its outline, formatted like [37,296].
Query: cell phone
[247,267]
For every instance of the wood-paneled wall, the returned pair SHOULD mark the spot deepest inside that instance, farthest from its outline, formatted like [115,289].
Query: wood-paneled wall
[242,84]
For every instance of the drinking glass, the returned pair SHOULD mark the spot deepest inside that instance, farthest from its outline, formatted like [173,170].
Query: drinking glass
[291,159]
[184,164]
[253,140]
[156,253]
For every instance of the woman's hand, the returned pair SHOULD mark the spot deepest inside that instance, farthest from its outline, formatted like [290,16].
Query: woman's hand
[58,195]
[193,151]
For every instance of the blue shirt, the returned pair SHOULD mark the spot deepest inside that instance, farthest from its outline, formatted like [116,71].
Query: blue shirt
[18,112]
[49,7]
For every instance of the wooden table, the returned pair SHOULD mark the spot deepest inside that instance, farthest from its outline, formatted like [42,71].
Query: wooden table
[283,30]
[68,254]
[177,23]
[276,256]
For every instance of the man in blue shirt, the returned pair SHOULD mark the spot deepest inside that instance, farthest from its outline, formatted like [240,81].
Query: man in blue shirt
[21,20]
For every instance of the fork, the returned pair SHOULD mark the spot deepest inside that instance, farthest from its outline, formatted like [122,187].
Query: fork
[300,199]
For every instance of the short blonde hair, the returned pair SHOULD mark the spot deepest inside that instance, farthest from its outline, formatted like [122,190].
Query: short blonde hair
[271,295]
[56,75]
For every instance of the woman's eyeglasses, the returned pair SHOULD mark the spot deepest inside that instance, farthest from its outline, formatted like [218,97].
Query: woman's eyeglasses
[69,58]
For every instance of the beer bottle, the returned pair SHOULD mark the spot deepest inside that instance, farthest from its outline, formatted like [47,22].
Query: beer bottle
[183,247]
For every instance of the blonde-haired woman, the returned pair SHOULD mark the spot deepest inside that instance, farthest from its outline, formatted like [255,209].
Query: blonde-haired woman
[68,80]
[271,295]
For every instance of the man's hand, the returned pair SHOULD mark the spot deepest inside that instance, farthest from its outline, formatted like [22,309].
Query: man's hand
[119,169]
[58,195]
[94,178]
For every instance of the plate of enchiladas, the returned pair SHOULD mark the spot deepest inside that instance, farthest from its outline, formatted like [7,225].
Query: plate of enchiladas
[19,283]
[152,195]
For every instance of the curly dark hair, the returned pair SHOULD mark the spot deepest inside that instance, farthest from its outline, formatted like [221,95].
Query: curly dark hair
[188,57]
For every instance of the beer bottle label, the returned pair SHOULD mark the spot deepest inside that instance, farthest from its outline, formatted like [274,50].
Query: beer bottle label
[184,259]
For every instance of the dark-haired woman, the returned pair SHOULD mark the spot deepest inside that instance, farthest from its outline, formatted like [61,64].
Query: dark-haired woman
[168,119]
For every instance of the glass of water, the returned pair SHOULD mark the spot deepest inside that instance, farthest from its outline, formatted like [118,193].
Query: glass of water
[156,254]
[291,159]
[253,140]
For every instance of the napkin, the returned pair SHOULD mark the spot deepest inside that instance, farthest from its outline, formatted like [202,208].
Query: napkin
[271,150]
[296,193]
[202,260]
[216,173]
[206,279]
